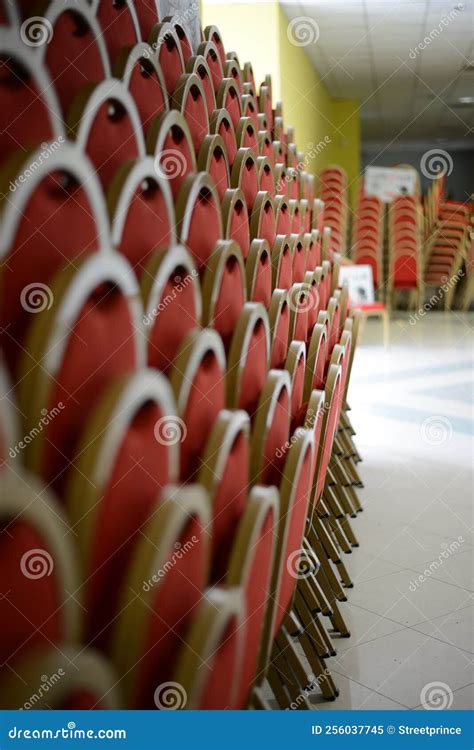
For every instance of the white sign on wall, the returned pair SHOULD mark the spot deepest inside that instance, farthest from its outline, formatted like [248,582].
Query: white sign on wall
[360,282]
[388,183]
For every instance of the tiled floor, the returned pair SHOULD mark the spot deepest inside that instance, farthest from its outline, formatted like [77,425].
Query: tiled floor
[413,410]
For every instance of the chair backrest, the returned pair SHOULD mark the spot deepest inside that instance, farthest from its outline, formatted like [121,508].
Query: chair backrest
[197,377]
[127,454]
[162,591]
[210,660]
[250,568]
[39,577]
[89,333]
[92,684]
[224,474]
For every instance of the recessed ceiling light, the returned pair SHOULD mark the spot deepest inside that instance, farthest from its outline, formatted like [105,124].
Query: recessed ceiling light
[466,99]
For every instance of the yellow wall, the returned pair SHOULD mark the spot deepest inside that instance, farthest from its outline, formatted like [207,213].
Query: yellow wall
[255,42]
[258,32]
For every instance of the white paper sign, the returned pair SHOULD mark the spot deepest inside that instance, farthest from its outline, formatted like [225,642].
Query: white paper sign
[360,282]
[388,183]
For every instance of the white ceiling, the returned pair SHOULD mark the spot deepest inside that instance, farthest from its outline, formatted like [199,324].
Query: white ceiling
[363,51]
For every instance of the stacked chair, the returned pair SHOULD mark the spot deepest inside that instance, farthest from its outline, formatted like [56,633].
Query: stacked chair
[368,236]
[448,247]
[177,467]
[405,250]
[333,191]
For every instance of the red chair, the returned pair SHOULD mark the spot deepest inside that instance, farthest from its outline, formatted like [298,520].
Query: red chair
[39,570]
[236,220]
[224,474]
[271,429]
[127,454]
[89,335]
[259,272]
[223,289]
[248,359]
[250,569]
[197,377]
[165,41]
[92,684]
[142,212]
[198,208]
[106,126]
[161,594]
[58,216]
[76,29]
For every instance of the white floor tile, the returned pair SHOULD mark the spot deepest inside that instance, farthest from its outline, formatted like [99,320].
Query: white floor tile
[456,628]
[402,598]
[402,664]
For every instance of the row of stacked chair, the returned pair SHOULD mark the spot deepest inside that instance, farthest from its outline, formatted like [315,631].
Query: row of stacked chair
[333,191]
[368,236]
[449,245]
[177,457]
[404,248]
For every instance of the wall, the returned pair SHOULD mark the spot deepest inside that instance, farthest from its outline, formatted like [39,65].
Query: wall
[258,33]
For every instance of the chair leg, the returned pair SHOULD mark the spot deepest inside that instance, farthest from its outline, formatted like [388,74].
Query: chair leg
[321,672]
[386,328]
[317,546]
